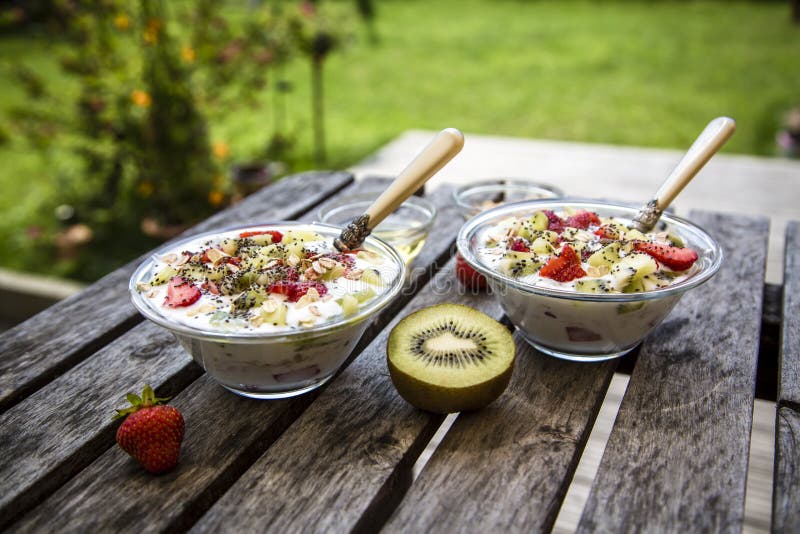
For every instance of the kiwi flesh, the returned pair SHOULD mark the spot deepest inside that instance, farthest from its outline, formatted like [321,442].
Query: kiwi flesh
[450,358]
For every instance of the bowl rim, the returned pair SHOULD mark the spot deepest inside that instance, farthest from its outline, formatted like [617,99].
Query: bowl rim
[516,183]
[418,203]
[150,312]
[712,252]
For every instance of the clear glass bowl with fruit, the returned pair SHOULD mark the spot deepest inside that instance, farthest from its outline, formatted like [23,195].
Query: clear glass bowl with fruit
[576,278]
[269,310]
[476,197]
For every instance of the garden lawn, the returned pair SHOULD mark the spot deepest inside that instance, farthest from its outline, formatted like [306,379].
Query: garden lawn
[630,72]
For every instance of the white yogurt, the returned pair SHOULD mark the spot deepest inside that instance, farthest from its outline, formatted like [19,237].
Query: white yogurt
[272,365]
[586,328]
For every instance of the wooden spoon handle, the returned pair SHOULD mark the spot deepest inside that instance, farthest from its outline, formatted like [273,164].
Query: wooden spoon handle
[706,145]
[708,142]
[433,157]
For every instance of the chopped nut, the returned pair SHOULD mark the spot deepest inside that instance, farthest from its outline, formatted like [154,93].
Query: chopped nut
[328,263]
[314,311]
[272,263]
[597,272]
[233,268]
[317,266]
[354,274]
[310,274]
[170,258]
[269,305]
[313,294]
[308,322]
[215,255]
[293,260]
[183,260]
[142,286]
[257,320]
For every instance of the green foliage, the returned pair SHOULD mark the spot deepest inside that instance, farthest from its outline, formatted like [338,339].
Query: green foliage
[633,72]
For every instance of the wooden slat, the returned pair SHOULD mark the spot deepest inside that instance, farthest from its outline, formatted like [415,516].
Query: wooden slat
[39,349]
[225,434]
[61,428]
[508,467]
[677,456]
[786,495]
[346,460]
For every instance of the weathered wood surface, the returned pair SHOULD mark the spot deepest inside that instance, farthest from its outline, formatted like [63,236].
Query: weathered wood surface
[786,495]
[53,434]
[216,450]
[359,441]
[507,468]
[677,457]
[49,343]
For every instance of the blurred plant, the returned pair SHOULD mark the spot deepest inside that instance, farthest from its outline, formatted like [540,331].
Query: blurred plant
[788,138]
[319,29]
[236,63]
[145,153]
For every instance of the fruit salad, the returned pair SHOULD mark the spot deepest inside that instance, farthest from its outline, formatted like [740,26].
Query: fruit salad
[579,250]
[577,279]
[262,280]
[270,311]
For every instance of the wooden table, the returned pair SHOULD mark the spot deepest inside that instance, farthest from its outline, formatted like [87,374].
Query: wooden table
[341,458]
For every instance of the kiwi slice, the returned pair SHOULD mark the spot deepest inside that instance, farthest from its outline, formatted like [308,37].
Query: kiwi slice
[450,358]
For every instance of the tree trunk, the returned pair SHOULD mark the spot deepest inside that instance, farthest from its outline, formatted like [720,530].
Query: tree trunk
[317,109]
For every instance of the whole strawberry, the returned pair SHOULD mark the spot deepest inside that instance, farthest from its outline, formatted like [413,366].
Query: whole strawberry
[468,276]
[151,433]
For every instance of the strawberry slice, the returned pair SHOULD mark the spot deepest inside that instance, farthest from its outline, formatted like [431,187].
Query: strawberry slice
[276,235]
[181,293]
[468,276]
[210,286]
[607,232]
[295,290]
[554,222]
[519,246]
[676,258]
[582,220]
[564,267]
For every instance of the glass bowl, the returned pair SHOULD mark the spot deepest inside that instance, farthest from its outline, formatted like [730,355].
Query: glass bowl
[278,364]
[586,326]
[480,196]
[406,229]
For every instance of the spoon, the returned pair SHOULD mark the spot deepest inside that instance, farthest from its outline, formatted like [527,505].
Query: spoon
[433,157]
[706,145]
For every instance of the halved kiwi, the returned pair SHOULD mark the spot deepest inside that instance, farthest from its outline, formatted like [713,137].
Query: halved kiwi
[450,358]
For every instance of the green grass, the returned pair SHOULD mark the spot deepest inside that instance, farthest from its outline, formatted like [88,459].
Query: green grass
[629,72]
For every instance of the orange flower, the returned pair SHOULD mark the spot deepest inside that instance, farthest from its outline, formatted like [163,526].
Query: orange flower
[121,21]
[188,54]
[215,198]
[220,150]
[140,98]
[146,188]
[152,31]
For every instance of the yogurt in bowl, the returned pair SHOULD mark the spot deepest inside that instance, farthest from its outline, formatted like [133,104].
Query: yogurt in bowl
[577,279]
[271,310]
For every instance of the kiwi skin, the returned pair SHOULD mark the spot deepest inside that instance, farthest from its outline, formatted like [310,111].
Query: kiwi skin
[448,400]
[438,398]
